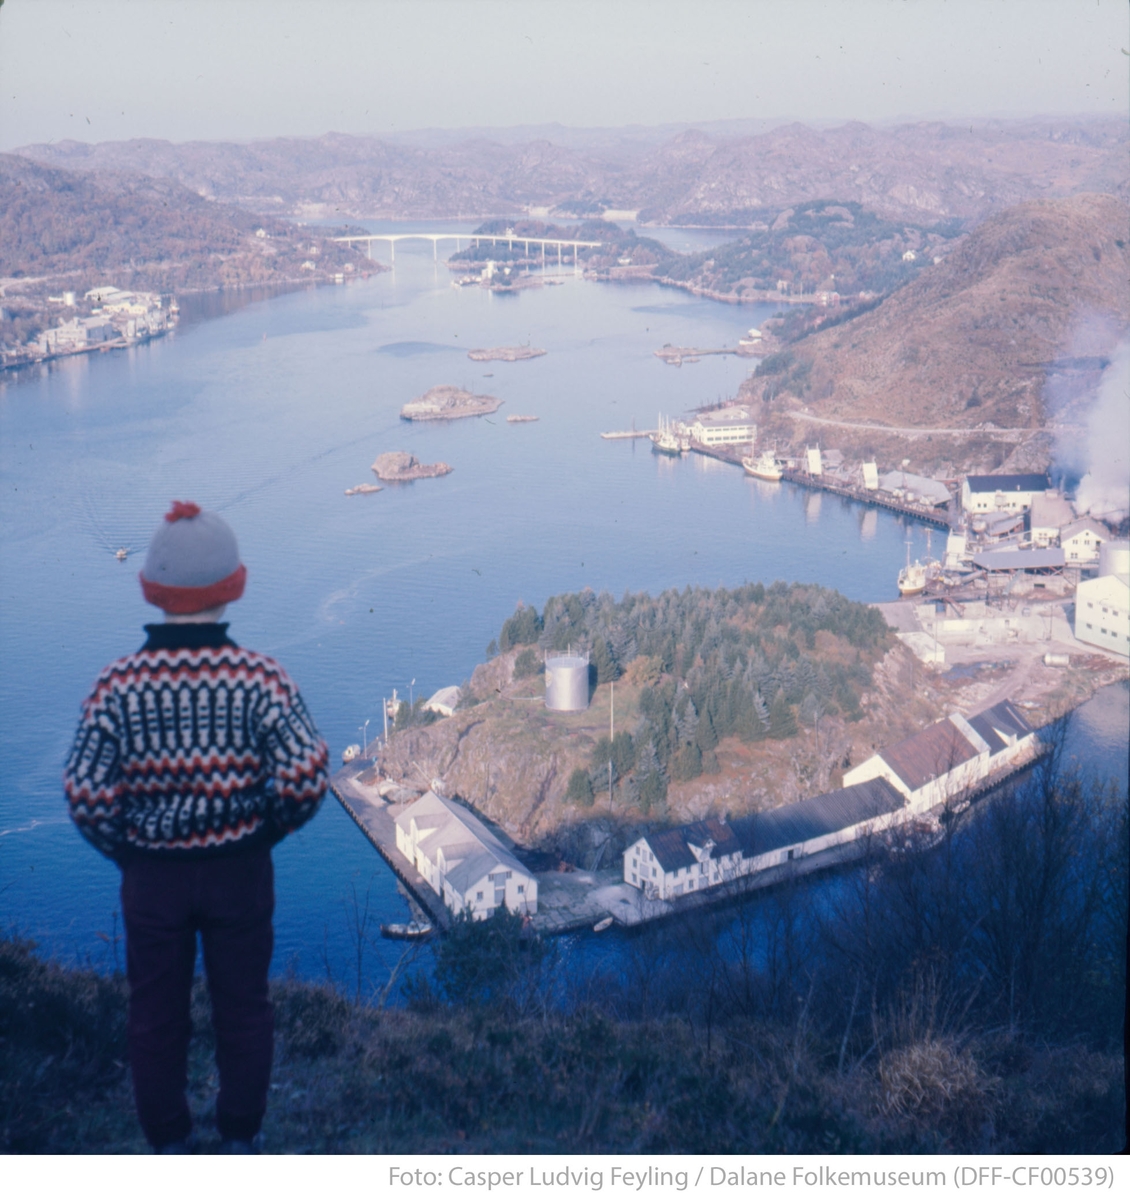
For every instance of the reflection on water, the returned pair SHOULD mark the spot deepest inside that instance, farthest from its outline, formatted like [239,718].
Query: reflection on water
[868,524]
[1099,735]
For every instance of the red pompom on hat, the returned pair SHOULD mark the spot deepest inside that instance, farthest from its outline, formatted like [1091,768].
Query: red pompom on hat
[193,562]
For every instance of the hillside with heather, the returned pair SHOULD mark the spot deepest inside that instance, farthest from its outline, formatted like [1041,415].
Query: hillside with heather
[151,233]
[1010,331]
[919,172]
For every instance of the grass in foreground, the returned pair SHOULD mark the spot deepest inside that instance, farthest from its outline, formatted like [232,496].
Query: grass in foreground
[354,1079]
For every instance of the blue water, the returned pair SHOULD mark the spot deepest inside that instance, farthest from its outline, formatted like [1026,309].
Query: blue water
[267,415]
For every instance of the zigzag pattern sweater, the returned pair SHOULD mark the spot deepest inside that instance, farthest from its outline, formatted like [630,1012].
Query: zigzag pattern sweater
[193,747]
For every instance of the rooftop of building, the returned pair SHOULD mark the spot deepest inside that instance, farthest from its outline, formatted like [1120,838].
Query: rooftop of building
[1008,483]
[725,416]
[817,817]
[470,849]
[924,756]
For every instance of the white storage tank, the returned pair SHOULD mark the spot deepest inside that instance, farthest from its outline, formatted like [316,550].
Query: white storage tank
[567,682]
[1114,557]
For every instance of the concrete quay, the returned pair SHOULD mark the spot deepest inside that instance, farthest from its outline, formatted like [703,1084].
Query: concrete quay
[377,821]
[931,516]
[575,901]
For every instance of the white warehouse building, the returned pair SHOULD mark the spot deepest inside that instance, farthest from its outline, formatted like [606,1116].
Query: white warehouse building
[1102,613]
[465,864]
[1002,493]
[724,427]
[951,758]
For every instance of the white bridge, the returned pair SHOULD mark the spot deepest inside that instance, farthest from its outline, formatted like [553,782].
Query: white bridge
[509,237]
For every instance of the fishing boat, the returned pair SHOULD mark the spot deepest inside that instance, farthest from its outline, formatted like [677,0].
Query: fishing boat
[411,931]
[765,466]
[121,554]
[669,439]
[912,578]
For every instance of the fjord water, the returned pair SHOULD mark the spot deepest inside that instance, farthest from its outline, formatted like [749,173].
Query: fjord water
[267,415]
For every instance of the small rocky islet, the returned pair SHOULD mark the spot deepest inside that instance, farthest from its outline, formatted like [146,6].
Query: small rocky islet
[398,466]
[445,403]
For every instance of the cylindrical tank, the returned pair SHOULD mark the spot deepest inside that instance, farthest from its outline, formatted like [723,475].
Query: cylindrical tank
[567,682]
[1114,557]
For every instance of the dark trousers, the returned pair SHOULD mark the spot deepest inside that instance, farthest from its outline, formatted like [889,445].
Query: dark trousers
[229,901]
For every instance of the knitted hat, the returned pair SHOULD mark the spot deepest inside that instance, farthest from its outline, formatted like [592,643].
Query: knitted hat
[193,562]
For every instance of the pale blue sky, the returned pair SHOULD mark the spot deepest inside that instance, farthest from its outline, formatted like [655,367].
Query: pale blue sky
[99,70]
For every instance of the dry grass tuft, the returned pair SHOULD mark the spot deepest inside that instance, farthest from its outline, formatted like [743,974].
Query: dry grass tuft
[931,1081]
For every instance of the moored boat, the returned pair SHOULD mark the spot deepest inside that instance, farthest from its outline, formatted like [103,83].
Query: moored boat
[912,579]
[765,466]
[411,931]
[669,438]
[601,926]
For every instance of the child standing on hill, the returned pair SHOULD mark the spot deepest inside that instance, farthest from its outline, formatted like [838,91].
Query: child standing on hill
[194,757]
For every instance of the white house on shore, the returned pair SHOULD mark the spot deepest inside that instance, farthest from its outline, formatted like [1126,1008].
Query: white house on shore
[674,862]
[465,864]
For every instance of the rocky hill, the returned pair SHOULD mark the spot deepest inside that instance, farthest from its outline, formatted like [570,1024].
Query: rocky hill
[918,172]
[149,233]
[725,702]
[1009,331]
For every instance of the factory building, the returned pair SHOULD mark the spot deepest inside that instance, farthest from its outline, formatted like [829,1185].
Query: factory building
[77,334]
[1102,613]
[1001,493]
[950,758]
[1047,516]
[465,864]
[809,826]
[724,427]
[946,762]
[915,489]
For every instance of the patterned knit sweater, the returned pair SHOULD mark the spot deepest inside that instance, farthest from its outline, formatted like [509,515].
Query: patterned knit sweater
[193,747]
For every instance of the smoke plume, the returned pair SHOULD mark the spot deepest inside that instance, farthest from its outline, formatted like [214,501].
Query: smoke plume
[1104,491]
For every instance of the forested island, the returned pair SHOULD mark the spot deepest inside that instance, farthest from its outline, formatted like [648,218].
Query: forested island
[726,701]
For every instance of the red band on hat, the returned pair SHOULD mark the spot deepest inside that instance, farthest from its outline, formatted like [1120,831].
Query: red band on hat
[180,601]
[182,508]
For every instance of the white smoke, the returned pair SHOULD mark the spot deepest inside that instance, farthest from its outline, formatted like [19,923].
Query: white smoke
[1104,491]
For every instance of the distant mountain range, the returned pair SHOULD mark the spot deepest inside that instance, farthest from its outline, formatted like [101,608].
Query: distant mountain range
[922,172]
